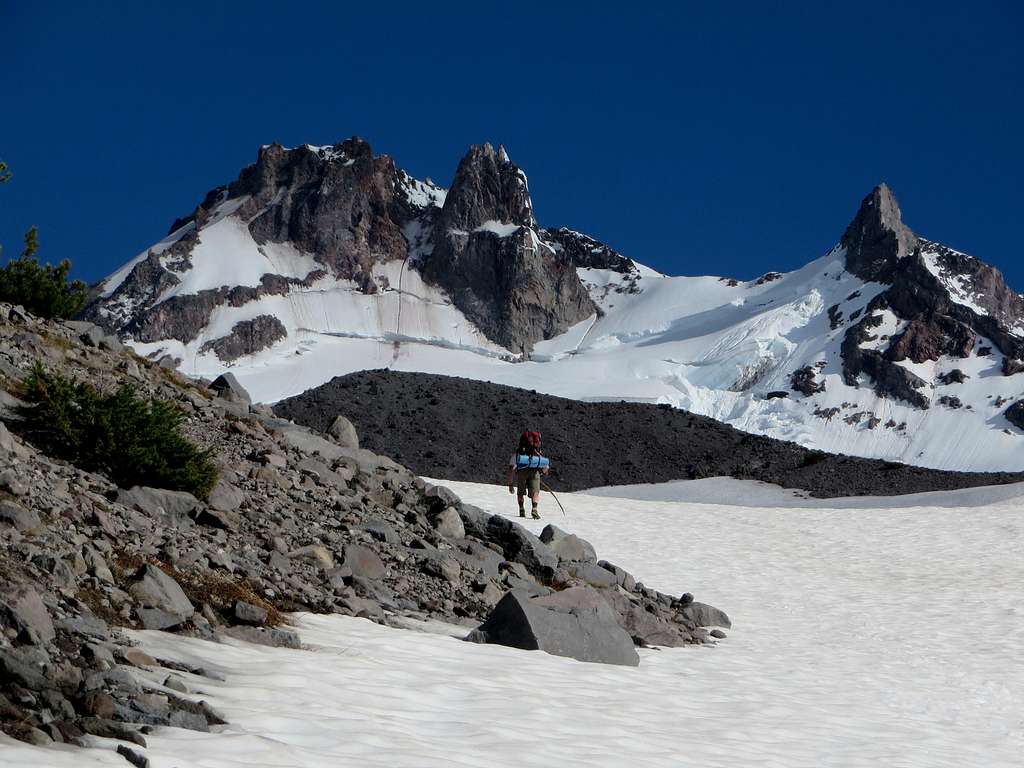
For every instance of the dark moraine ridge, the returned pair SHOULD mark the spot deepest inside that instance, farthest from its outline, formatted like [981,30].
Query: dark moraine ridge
[461,429]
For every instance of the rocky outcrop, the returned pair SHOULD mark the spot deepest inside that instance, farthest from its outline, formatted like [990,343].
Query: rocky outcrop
[516,288]
[586,252]
[929,336]
[956,376]
[1015,414]
[802,380]
[1012,367]
[343,204]
[351,210]
[949,301]
[576,623]
[247,338]
[877,239]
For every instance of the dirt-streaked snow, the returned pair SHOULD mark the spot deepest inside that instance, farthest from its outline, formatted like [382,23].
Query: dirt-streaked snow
[861,637]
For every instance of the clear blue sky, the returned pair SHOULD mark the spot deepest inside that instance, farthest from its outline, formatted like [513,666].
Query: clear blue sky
[703,138]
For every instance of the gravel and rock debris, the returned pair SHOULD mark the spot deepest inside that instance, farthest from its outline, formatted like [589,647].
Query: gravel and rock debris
[298,520]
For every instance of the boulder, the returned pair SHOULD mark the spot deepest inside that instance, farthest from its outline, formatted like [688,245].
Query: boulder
[568,546]
[157,618]
[622,576]
[448,524]
[173,507]
[22,609]
[1015,414]
[343,432]
[521,546]
[474,519]
[247,613]
[227,387]
[12,483]
[156,591]
[576,623]
[7,444]
[314,554]
[592,574]
[17,517]
[643,623]
[225,497]
[363,562]
[704,615]
[275,638]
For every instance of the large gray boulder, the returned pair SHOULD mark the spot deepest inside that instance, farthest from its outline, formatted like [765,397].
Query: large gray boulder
[343,432]
[174,507]
[576,623]
[704,615]
[17,517]
[228,387]
[22,609]
[155,590]
[225,497]
[449,524]
[568,546]
[364,562]
[521,546]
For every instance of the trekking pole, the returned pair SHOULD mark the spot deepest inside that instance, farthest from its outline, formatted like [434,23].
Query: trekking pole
[545,486]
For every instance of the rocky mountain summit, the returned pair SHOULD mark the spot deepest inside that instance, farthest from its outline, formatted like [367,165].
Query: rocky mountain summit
[944,302]
[349,211]
[322,261]
[298,520]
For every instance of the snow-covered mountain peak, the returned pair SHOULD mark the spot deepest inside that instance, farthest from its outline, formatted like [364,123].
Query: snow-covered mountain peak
[323,260]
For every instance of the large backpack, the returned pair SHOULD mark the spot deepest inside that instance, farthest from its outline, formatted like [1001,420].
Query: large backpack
[529,442]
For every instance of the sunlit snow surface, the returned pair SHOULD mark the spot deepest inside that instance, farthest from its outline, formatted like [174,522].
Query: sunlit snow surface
[861,637]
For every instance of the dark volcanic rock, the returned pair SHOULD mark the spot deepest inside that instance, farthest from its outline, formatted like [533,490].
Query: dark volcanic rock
[802,381]
[956,376]
[591,444]
[877,239]
[948,298]
[576,623]
[1015,414]
[247,337]
[930,336]
[1012,367]
[343,204]
[515,287]
[584,251]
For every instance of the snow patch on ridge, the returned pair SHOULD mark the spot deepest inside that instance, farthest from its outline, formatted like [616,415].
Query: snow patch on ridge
[500,228]
[227,255]
[958,286]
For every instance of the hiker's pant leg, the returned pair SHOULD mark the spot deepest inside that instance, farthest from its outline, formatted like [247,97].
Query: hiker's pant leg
[534,483]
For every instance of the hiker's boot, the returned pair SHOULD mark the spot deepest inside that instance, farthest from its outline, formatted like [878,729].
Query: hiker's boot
[535,513]
[522,512]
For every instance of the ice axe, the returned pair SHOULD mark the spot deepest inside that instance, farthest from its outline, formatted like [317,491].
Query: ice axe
[546,488]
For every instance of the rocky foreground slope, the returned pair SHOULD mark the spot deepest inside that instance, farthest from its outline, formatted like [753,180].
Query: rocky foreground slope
[462,429]
[299,520]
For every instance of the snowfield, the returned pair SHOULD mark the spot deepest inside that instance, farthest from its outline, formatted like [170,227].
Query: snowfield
[706,344]
[887,635]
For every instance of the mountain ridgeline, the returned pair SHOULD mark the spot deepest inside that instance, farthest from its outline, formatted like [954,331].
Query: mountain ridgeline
[323,261]
[479,241]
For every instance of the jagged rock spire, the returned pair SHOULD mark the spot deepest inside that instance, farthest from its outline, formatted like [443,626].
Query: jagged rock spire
[488,186]
[877,238]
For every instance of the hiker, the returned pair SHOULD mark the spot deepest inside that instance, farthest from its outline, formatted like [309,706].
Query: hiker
[524,470]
